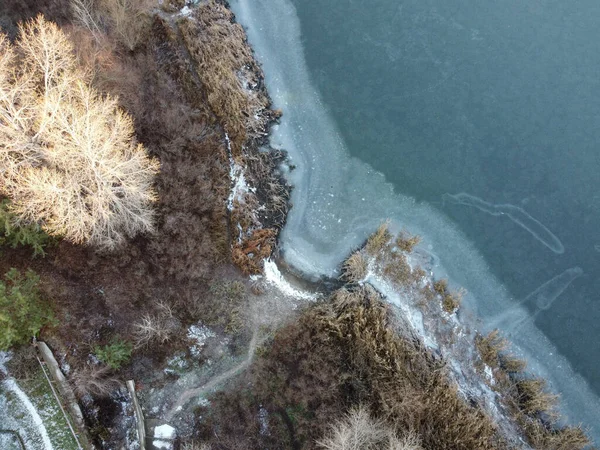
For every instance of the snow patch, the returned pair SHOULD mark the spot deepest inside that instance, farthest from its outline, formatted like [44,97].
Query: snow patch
[199,334]
[413,316]
[239,187]
[263,418]
[489,374]
[12,386]
[4,358]
[274,277]
[163,434]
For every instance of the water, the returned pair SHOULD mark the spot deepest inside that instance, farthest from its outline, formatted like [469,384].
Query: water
[474,126]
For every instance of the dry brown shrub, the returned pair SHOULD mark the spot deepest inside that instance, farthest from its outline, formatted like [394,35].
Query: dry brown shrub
[228,71]
[406,241]
[354,268]
[96,380]
[69,155]
[543,438]
[441,286]
[533,397]
[249,254]
[450,300]
[359,431]
[511,364]
[154,329]
[378,240]
[490,347]
[128,21]
[343,297]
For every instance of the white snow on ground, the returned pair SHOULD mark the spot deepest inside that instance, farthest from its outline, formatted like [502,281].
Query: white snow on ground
[489,374]
[162,436]
[185,11]
[4,358]
[11,385]
[414,316]
[274,277]
[238,180]
[263,417]
[199,334]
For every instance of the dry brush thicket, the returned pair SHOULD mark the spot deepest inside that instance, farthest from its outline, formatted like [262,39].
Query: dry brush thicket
[228,71]
[340,354]
[527,398]
[126,20]
[68,155]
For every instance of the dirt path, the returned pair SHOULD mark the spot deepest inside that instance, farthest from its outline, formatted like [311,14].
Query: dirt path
[187,395]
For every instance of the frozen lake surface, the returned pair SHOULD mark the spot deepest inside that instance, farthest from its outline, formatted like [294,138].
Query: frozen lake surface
[475,126]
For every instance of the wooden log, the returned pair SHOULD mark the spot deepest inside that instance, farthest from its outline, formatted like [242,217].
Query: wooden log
[139,415]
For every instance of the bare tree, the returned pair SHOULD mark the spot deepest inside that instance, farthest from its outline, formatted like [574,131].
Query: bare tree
[96,380]
[125,20]
[68,155]
[359,431]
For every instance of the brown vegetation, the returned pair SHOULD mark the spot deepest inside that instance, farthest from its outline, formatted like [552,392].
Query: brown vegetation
[94,379]
[341,354]
[527,398]
[249,254]
[490,347]
[378,240]
[450,300]
[406,241]
[354,268]
[227,70]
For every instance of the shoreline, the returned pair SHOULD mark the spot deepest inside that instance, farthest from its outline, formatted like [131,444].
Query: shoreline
[303,279]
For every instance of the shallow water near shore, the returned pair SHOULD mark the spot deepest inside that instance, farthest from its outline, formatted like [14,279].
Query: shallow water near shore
[475,129]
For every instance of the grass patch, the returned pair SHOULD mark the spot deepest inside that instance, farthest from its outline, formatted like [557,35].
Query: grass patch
[37,389]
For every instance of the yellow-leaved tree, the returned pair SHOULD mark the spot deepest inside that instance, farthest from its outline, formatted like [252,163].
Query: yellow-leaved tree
[69,159]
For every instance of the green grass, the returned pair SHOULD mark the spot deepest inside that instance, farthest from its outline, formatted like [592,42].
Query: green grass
[40,395]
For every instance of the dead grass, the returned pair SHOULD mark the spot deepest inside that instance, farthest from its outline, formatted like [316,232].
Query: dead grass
[534,398]
[227,70]
[378,240]
[450,300]
[399,270]
[354,268]
[490,347]
[406,241]
[542,438]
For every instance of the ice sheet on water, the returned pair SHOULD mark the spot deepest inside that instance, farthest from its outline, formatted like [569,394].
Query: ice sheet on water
[339,200]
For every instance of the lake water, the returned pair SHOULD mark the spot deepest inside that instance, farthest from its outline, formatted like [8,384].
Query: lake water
[475,125]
